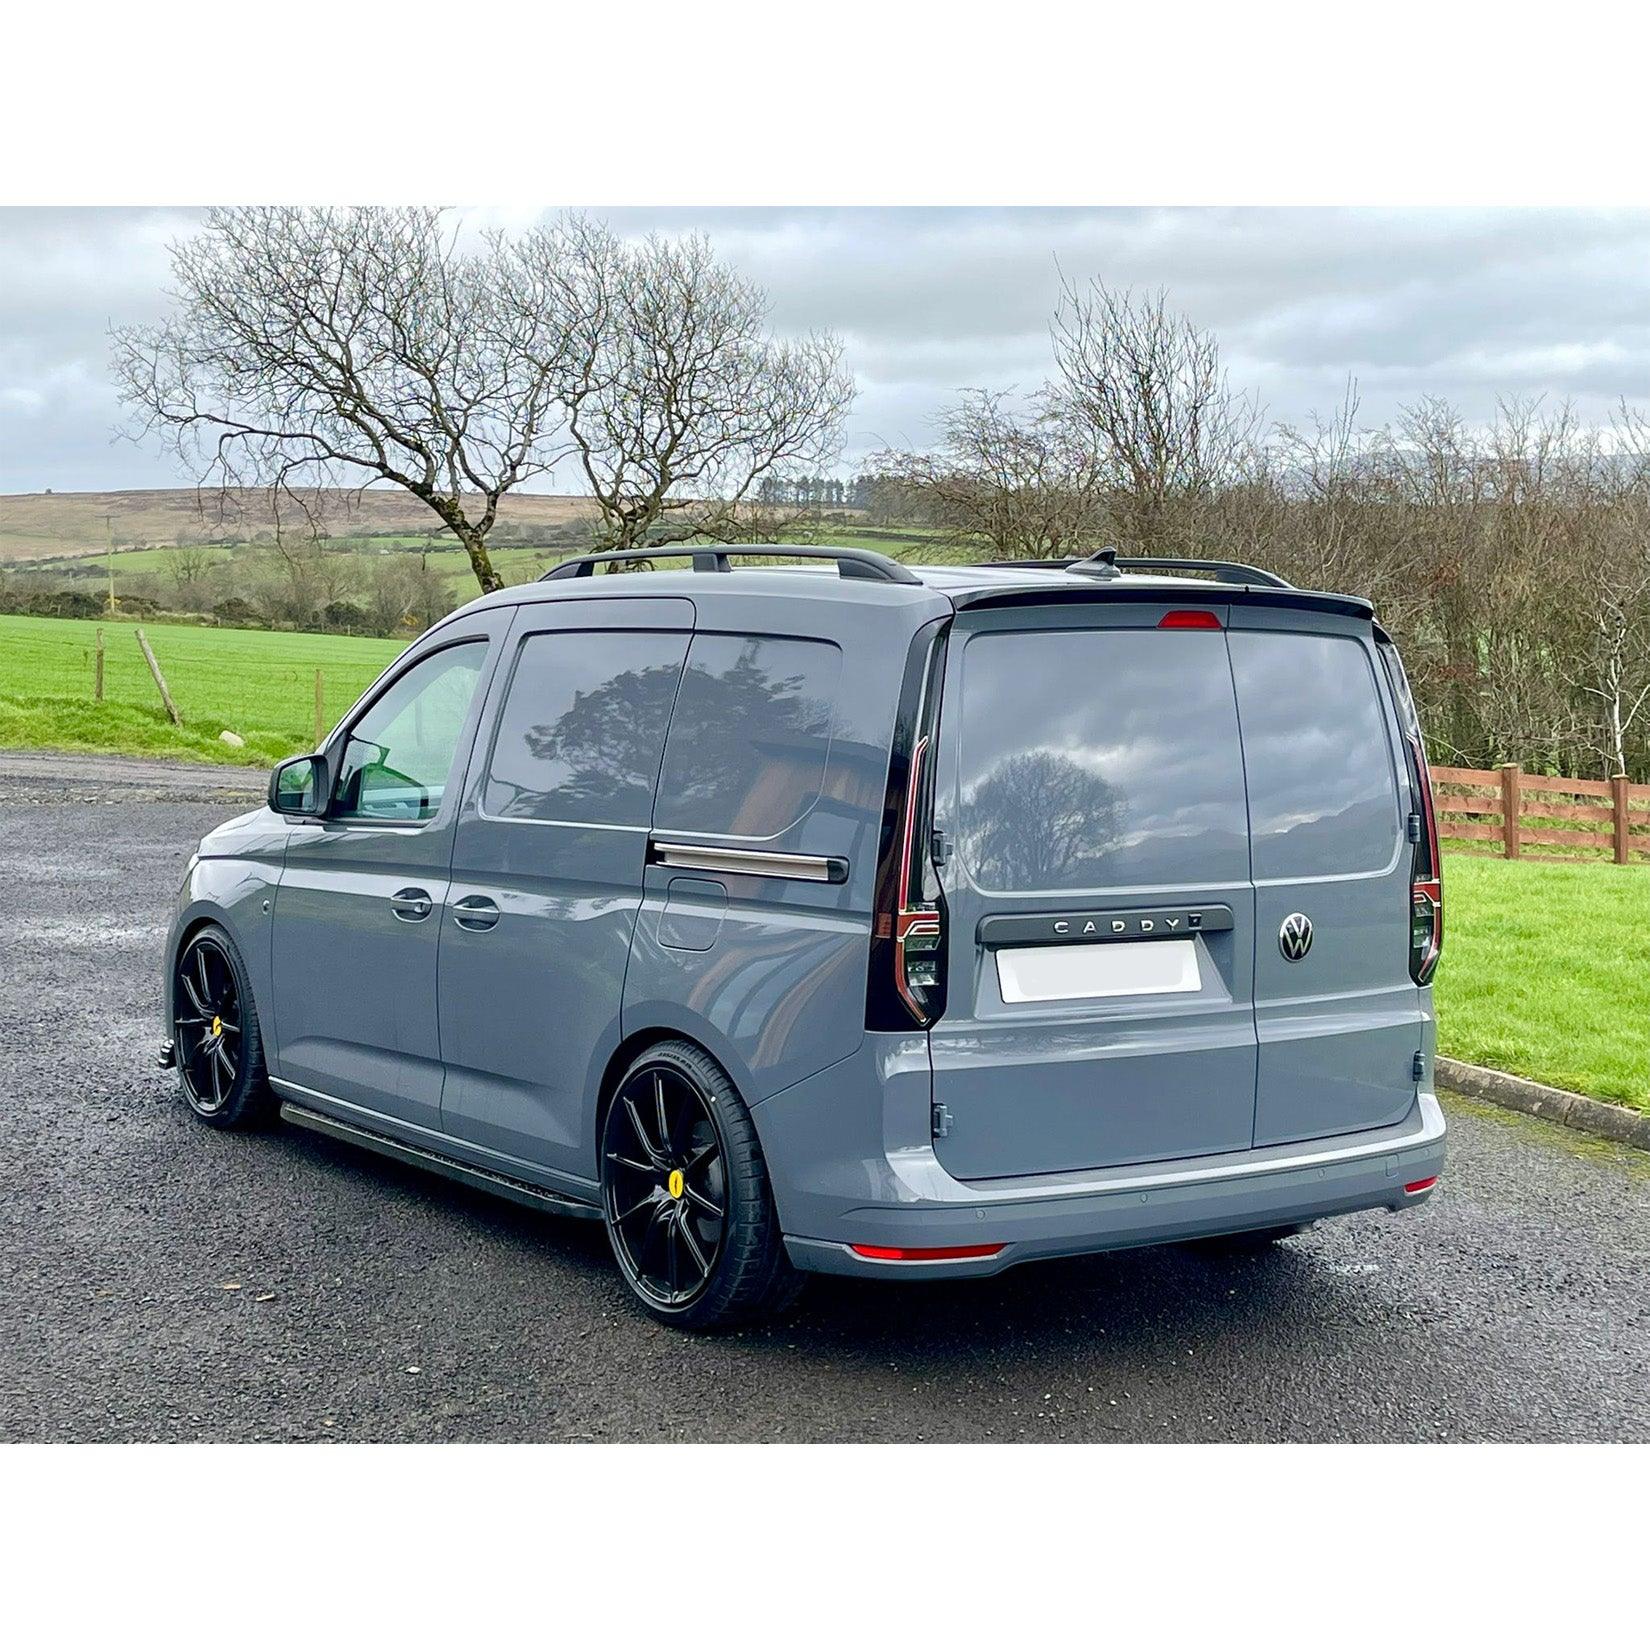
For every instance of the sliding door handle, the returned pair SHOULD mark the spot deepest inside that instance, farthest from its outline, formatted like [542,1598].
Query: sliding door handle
[411,904]
[476,912]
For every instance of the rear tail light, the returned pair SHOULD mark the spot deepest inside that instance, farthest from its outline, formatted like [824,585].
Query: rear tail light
[919,930]
[1426,929]
[956,1251]
[906,989]
[1426,892]
[1426,887]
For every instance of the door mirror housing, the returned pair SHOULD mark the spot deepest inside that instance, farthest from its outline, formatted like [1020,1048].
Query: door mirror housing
[301,787]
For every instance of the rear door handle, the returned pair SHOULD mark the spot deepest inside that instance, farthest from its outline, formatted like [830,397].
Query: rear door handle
[476,912]
[411,904]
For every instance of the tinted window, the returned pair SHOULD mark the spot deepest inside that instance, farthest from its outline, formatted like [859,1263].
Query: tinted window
[1321,792]
[750,735]
[1100,758]
[582,727]
[399,754]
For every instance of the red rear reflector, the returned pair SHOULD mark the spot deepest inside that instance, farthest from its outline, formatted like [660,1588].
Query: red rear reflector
[1189,618]
[961,1251]
[1421,1185]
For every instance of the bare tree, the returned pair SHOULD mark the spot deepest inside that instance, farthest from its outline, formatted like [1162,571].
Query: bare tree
[391,591]
[678,401]
[312,347]
[188,563]
[1024,482]
[1606,657]
[1161,416]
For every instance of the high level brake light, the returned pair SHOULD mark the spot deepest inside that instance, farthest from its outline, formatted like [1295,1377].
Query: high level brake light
[1189,618]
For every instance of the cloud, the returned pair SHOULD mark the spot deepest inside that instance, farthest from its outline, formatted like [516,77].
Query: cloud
[1466,305]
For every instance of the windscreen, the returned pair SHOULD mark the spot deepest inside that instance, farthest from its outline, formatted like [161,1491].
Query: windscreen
[1100,758]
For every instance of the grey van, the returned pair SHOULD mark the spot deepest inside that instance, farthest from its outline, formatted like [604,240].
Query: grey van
[850,917]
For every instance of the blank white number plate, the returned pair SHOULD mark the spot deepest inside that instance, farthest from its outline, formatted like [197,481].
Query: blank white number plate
[1055,973]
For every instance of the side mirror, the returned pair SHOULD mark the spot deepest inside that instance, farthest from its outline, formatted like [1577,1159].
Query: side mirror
[300,787]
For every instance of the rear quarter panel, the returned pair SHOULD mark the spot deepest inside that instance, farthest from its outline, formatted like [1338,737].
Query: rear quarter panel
[774,984]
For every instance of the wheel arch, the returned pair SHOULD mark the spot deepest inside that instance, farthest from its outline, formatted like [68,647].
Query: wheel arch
[187,927]
[208,914]
[643,1037]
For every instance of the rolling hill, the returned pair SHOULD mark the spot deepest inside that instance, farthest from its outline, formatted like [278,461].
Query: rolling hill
[52,526]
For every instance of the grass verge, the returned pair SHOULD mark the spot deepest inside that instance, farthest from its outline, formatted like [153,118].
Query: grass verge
[259,684]
[1546,973]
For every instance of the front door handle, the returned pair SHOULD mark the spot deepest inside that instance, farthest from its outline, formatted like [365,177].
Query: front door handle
[476,912]
[411,904]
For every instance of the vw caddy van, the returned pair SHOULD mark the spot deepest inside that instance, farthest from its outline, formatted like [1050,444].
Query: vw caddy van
[846,916]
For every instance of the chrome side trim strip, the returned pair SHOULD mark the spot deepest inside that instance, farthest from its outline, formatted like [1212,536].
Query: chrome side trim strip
[695,856]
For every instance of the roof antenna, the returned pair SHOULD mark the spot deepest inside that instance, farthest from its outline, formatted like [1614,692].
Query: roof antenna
[1101,565]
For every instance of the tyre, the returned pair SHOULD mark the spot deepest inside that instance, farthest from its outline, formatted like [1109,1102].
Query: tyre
[220,1052]
[685,1195]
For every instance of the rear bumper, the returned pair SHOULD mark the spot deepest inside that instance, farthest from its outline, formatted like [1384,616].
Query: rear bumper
[1035,1218]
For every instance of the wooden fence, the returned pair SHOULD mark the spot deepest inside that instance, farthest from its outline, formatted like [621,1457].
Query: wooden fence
[1532,810]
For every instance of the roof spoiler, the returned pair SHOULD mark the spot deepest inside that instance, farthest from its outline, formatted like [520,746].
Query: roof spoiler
[1035,593]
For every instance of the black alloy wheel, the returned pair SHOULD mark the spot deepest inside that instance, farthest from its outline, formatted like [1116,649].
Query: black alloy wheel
[665,1184]
[207,1019]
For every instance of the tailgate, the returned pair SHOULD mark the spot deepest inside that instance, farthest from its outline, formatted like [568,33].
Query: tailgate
[1100,933]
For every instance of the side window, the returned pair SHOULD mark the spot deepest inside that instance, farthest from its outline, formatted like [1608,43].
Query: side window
[583,726]
[399,755]
[1322,795]
[748,742]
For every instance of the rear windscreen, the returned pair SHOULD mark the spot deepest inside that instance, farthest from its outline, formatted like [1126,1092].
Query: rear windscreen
[1323,799]
[1100,759]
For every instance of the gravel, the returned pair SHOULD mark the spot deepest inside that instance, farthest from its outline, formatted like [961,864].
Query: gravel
[160,1281]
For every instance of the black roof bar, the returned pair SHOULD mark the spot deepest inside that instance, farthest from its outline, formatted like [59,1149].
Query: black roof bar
[1107,564]
[713,558]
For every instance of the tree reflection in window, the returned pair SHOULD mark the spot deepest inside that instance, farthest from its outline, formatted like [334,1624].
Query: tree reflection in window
[750,735]
[1036,817]
[583,727]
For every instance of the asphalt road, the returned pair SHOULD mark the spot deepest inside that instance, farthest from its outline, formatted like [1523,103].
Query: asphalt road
[161,1281]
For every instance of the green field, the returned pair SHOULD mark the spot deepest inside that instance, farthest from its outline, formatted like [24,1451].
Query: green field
[1546,973]
[515,563]
[1546,969]
[259,684]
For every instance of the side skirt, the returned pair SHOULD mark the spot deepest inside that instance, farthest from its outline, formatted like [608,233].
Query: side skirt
[421,1157]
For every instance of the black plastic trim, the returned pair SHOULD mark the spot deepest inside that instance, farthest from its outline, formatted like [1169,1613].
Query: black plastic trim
[419,1157]
[1151,922]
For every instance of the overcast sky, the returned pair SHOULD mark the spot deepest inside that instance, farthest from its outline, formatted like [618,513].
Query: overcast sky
[1467,305]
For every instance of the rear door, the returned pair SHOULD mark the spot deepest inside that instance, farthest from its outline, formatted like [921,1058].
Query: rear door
[1337,1014]
[547,871]
[1099,911]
